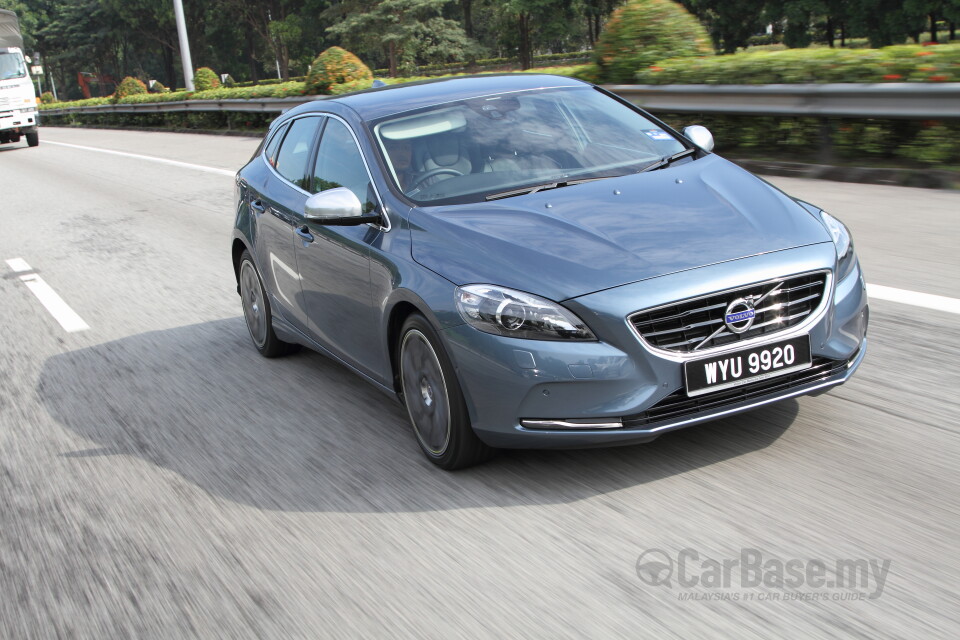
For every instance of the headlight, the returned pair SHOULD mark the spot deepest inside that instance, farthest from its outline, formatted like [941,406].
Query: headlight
[516,314]
[843,243]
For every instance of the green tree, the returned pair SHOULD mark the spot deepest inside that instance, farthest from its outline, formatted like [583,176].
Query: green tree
[531,19]
[884,22]
[276,23]
[730,22]
[406,31]
[930,12]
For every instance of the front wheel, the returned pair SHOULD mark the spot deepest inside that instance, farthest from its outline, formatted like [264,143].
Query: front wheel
[434,400]
[33,139]
[256,311]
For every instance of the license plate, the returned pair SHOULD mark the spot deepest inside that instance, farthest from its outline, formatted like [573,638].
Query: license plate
[737,368]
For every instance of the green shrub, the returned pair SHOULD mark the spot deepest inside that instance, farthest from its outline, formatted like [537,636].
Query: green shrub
[935,144]
[643,31]
[855,141]
[205,78]
[88,102]
[901,63]
[129,86]
[229,81]
[335,66]
[47,98]
[157,87]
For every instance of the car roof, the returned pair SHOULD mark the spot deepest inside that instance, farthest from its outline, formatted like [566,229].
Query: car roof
[373,104]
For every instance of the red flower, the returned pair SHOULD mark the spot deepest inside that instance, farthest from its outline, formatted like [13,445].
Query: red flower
[655,68]
[892,76]
[924,53]
[938,78]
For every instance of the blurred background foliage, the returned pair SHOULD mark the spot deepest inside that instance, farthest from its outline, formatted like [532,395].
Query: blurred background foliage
[255,40]
[267,48]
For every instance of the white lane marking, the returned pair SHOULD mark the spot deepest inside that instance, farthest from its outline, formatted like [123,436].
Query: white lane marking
[19,265]
[914,298]
[49,298]
[174,163]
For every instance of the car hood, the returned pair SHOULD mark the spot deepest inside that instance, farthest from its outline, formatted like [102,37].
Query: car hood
[575,240]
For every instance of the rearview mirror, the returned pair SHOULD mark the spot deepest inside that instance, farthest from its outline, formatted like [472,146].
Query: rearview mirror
[700,136]
[340,207]
[332,203]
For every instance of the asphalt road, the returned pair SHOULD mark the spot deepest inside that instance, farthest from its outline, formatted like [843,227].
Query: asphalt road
[159,479]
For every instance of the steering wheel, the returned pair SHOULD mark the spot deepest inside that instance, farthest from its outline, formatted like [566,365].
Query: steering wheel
[439,171]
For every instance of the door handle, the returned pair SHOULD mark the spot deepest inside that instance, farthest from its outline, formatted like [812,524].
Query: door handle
[257,207]
[304,233]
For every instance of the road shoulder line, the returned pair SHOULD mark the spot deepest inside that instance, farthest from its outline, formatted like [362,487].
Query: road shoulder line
[69,319]
[173,163]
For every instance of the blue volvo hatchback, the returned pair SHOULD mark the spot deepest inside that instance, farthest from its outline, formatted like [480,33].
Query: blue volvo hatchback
[531,262]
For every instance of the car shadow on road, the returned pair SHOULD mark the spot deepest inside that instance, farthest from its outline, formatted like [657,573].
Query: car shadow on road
[303,433]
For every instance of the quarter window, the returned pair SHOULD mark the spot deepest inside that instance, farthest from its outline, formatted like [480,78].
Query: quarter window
[274,145]
[339,164]
[295,151]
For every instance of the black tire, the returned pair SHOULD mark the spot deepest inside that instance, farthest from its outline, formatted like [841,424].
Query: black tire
[33,139]
[256,311]
[434,401]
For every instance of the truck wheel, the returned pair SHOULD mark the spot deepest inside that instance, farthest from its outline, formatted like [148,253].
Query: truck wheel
[33,139]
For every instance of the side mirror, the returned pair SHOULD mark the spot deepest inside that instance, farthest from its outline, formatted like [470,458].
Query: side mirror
[338,206]
[700,136]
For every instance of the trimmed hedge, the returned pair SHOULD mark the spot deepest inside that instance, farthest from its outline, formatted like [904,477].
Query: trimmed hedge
[129,86]
[205,78]
[853,141]
[643,31]
[336,66]
[900,63]
[281,90]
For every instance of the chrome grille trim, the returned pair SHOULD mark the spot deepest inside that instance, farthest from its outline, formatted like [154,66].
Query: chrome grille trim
[695,326]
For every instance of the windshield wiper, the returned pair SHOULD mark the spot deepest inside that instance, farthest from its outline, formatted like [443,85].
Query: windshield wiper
[540,187]
[666,160]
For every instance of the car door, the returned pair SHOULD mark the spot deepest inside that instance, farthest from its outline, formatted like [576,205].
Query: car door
[334,261]
[278,207]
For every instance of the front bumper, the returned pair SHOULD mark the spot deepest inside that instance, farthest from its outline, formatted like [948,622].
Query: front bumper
[16,122]
[545,394]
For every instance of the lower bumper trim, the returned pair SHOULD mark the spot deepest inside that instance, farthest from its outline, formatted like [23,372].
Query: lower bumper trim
[612,423]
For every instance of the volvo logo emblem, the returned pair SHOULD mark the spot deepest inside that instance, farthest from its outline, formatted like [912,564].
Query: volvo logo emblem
[740,315]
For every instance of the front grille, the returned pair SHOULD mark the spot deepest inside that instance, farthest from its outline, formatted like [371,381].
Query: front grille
[696,324]
[677,405]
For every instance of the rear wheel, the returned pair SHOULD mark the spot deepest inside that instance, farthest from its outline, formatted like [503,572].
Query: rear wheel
[256,311]
[33,139]
[434,400]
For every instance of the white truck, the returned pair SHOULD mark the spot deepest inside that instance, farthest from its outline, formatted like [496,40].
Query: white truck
[18,102]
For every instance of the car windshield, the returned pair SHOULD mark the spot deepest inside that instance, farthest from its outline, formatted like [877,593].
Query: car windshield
[12,66]
[519,142]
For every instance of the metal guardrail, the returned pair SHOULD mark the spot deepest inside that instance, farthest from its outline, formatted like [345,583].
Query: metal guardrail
[892,100]
[257,105]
